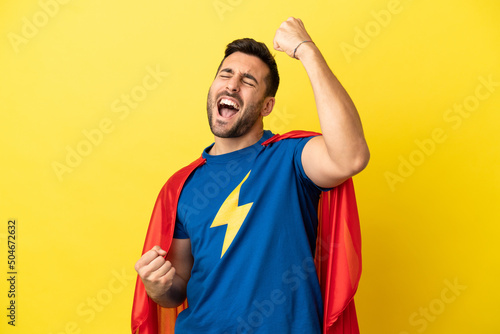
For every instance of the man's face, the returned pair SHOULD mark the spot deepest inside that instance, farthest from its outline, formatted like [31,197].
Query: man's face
[236,97]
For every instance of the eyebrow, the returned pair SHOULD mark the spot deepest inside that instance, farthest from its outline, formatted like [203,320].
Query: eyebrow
[245,75]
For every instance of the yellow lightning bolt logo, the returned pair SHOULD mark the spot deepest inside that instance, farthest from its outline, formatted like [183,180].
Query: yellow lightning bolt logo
[232,215]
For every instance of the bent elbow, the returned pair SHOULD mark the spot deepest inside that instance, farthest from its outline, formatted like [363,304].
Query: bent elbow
[363,160]
[359,162]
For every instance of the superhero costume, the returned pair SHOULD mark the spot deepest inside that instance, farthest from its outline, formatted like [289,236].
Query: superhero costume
[337,258]
[251,218]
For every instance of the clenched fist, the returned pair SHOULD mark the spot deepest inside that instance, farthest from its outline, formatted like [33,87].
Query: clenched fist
[289,35]
[156,273]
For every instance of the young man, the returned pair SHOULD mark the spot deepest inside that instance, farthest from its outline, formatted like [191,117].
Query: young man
[245,227]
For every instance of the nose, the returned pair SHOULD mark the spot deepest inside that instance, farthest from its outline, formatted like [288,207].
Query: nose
[233,84]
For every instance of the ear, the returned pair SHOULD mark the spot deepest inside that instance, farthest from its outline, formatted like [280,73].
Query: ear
[268,106]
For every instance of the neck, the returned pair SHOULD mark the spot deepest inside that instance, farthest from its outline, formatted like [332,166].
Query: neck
[228,145]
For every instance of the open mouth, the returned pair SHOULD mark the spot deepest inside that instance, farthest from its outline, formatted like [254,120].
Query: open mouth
[228,107]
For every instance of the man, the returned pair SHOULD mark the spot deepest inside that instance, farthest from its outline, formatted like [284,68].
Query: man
[245,227]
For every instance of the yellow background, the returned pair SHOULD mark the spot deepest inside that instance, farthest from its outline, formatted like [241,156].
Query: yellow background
[428,199]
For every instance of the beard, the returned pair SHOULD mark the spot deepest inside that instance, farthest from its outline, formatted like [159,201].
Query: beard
[247,118]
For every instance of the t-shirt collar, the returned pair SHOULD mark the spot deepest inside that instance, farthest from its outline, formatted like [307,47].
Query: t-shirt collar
[247,151]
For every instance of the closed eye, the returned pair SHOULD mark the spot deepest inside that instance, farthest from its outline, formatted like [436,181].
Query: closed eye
[249,83]
[250,77]
[226,73]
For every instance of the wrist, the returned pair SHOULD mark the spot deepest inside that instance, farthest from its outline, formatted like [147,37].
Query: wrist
[304,50]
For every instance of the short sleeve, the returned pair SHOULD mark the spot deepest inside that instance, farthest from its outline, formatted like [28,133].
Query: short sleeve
[179,231]
[297,160]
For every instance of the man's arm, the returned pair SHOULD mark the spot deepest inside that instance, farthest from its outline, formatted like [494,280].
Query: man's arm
[166,280]
[342,151]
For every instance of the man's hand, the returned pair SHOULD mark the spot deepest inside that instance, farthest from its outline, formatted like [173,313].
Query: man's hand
[156,273]
[166,280]
[289,35]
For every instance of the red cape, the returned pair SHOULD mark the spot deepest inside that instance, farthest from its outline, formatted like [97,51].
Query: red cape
[338,253]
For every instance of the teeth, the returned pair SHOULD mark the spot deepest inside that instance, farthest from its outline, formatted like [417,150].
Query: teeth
[229,103]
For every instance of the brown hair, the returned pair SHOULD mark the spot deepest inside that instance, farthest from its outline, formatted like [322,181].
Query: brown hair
[253,48]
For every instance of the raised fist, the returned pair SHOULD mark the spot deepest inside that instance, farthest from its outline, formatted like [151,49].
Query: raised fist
[289,35]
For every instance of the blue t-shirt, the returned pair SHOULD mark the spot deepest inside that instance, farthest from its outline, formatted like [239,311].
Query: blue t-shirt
[251,217]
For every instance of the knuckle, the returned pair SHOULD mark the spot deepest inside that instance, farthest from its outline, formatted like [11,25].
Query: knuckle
[151,278]
[142,276]
[142,273]
[158,261]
